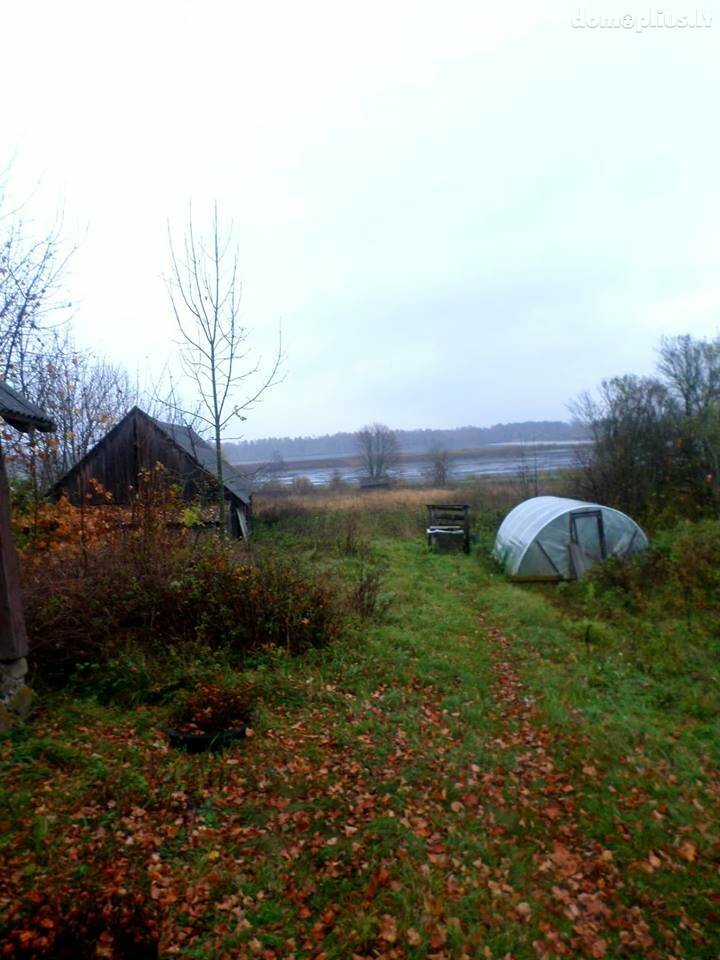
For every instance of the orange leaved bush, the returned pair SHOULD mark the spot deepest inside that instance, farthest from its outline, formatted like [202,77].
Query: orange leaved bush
[98,578]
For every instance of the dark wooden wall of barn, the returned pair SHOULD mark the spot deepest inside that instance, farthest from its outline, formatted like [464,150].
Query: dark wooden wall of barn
[136,444]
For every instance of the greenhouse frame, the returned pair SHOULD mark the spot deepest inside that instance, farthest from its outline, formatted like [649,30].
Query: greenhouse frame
[553,538]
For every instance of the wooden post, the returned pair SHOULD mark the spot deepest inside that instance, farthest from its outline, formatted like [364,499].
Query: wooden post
[13,638]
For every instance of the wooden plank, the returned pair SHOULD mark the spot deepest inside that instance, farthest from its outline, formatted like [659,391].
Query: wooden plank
[243,524]
[13,638]
[542,578]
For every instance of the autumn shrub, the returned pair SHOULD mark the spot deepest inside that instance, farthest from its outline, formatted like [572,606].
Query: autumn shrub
[212,709]
[366,596]
[110,914]
[148,585]
[270,602]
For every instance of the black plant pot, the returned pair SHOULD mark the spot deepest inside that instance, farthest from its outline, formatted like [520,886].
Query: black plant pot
[200,742]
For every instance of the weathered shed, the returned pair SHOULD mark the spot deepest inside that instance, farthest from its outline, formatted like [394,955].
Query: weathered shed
[138,443]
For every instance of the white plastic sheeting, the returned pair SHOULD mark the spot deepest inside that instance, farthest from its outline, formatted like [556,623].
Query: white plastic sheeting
[552,538]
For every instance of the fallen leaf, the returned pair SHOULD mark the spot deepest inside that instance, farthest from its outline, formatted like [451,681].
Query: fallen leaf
[688,851]
[388,928]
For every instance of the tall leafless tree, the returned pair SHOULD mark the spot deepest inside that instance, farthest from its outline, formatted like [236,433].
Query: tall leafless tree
[31,272]
[378,446]
[83,395]
[86,396]
[205,294]
[691,369]
[438,468]
[632,424]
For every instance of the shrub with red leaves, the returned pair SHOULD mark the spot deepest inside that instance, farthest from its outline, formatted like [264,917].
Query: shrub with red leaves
[85,924]
[212,709]
[149,585]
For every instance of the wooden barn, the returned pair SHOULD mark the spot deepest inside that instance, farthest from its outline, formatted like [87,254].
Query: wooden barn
[138,443]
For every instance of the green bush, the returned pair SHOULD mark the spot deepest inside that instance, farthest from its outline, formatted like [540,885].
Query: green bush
[679,573]
[695,555]
[656,613]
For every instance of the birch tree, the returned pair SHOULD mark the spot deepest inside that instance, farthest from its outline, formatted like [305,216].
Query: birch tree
[205,293]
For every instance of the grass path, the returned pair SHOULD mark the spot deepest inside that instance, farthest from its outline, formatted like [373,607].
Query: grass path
[431,788]
[584,882]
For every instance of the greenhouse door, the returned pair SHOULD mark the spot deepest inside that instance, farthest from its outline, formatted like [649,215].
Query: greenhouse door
[587,540]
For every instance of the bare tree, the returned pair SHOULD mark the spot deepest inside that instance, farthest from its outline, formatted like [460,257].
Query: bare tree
[84,396]
[691,369]
[438,470]
[31,273]
[528,473]
[632,423]
[378,446]
[205,294]
[31,313]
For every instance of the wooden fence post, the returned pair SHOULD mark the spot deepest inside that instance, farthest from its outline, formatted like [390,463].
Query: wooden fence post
[13,638]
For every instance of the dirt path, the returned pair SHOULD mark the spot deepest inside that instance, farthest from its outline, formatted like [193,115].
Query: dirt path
[576,876]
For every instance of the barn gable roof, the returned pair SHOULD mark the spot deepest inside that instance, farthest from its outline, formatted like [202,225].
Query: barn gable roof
[192,445]
[203,454]
[20,413]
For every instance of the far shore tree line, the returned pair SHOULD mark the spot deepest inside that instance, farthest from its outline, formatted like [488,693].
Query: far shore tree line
[420,441]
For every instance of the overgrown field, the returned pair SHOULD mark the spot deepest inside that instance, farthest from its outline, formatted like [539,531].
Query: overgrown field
[466,768]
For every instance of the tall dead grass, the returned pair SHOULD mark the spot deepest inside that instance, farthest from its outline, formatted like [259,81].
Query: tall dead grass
[481,494]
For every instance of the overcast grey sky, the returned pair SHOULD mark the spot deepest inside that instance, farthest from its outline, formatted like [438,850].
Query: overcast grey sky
[461,212]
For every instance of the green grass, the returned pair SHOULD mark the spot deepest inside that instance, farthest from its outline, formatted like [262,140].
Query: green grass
[387,778]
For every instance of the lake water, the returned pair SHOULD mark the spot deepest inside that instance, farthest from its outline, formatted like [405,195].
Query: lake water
[496,460]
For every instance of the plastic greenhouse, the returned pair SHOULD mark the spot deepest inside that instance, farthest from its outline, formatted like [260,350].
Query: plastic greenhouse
[551,538]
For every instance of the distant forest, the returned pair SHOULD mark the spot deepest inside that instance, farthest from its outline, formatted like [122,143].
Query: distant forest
[410,441]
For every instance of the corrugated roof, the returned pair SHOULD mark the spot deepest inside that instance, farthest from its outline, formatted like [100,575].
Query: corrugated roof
[201,451]
[20,413]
